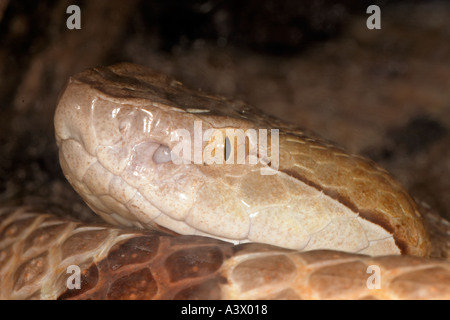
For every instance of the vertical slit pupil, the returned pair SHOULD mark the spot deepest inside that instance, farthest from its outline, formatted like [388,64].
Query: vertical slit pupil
[227,149]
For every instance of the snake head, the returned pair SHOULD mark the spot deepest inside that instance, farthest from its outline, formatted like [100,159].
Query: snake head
[128,139]
[127,142]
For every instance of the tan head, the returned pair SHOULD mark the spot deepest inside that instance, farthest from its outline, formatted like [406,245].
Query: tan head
[121,132]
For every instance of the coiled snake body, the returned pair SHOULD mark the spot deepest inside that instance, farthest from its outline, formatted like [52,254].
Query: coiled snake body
[308,228]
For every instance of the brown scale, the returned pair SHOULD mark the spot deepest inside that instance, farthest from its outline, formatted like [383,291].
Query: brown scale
[153,265]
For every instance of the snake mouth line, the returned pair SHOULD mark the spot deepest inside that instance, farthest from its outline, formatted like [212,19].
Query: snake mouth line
[367,215]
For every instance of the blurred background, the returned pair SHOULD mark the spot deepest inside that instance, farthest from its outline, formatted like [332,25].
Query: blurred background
[384,93]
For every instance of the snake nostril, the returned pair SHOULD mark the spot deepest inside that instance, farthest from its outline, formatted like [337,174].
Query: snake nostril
[162,154]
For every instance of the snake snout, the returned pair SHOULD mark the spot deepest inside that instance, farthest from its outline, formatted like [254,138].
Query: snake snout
[117,157]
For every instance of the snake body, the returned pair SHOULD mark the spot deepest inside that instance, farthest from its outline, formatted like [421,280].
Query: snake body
[330,211]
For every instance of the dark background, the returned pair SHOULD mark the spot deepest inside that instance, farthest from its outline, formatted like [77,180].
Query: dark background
[381,93]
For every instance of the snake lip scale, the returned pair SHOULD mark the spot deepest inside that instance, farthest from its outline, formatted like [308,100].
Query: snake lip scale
[308,230]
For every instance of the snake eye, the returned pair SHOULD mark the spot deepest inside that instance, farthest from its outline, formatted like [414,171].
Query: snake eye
[227,149]
[162,154]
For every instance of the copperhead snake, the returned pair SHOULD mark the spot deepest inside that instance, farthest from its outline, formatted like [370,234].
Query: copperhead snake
[307,229]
